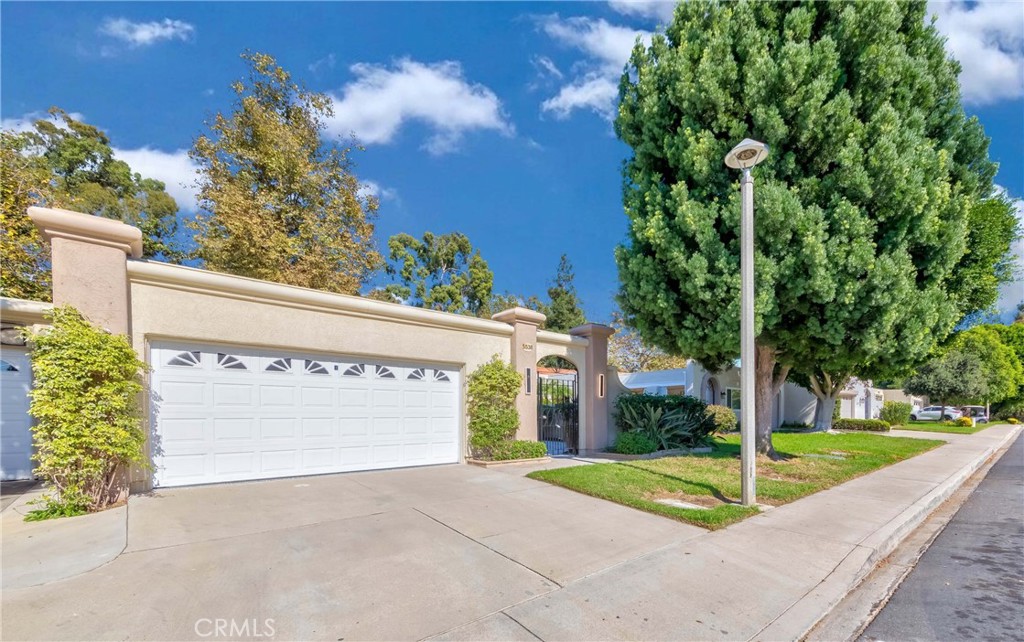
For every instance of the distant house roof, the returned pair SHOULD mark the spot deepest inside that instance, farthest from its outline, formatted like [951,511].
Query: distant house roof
[654,379]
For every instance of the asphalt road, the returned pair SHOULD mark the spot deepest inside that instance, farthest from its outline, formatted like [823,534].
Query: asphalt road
[969,584]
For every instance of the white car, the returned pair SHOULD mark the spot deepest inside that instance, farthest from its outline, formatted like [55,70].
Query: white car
[936,413]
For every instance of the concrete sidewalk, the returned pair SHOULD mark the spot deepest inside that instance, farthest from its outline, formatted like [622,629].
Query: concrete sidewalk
[458,552]
[770,577]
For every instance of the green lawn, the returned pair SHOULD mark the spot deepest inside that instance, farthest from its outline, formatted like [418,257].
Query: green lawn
[812,463]
[935,426]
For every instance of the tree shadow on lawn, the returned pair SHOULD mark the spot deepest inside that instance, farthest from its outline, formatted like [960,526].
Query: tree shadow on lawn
[722,451]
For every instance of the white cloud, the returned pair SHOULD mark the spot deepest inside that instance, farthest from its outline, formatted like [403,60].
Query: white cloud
[546,66]
[175,169]
[382,99]
[987,37]
[324,64]
[143,34]
[659,9]
[606,48]
[26,122]
[375,189]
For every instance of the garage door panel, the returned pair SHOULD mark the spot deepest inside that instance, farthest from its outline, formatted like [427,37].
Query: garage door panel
[318,428]
[246,413]
[226,429]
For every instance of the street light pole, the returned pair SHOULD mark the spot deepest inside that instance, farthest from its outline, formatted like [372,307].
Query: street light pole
[747,405]
[744,156]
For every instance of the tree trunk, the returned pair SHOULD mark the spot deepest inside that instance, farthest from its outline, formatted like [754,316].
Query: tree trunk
[825,408]
[826,390]
[767,384]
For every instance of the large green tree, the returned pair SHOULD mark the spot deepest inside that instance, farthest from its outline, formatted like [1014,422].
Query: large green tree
[63,162]
[279,203]
[440,272]
[24,256]
[1002,368]
[563,311]
[987,263]
[955,377]
[862,206]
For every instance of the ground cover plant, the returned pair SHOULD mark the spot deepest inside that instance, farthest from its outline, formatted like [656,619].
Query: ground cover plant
[812,462]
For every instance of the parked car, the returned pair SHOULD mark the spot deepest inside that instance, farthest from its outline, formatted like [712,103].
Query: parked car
[978,413]
[936,413]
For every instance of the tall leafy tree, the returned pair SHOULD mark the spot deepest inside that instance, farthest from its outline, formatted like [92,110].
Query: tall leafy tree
[279,203]
[862,206]
[563,311]
[987,262]
[63,162]
[956,376]
[440,272]
[1001,367]
[24,256]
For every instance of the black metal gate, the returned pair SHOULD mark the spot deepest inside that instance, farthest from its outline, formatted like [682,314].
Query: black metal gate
[558,414]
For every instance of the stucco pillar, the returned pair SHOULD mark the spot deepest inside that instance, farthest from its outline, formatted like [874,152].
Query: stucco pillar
[88,259]
[594,390]
[524,324]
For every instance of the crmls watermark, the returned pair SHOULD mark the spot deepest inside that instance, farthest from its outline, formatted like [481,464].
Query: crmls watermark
[231,628]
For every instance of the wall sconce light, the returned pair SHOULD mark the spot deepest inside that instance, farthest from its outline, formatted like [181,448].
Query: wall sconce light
[529,381]
[600,386]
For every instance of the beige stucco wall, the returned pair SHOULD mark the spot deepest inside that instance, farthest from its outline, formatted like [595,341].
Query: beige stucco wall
[177,303]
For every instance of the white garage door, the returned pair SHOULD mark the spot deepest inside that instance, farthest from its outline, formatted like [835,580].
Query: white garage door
[229,414]
[15,423]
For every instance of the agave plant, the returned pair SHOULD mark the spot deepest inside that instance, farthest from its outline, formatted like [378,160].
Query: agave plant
[686,426]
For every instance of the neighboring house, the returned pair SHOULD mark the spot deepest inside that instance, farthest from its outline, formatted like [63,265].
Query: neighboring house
[860,401]
[253,380]
[793,404]
[895,394]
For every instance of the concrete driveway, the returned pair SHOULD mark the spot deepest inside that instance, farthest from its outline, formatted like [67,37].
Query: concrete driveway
[403,554]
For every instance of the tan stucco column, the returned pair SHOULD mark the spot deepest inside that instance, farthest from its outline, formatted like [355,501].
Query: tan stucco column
[594,388]
[89,263]
[524,324]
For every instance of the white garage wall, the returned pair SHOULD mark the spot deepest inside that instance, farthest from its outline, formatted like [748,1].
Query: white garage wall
[174,303]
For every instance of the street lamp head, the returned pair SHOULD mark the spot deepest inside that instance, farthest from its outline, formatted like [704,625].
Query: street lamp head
[747,154]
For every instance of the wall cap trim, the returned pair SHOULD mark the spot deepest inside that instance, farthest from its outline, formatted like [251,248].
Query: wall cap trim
[592,330]
[23,311]
[86,228]
[167,275]
[520,315]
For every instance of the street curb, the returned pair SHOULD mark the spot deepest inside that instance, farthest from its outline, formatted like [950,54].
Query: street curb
[802,616]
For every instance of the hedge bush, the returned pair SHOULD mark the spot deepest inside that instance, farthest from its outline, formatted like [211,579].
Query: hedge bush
[872,425]
[724,418]
[85,399]
[517,449]
[670,421]
[896,413]
[964,422]
[1013,420]
[634,443]
[491,404]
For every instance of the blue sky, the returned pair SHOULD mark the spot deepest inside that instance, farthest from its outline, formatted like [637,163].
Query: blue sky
[492,119]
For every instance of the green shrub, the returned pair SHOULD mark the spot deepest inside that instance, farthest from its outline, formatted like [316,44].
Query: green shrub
[491,405]
[724,418]
[873,425]
[518,449]
[680,422]
[85,400]
[634,443]
[663,402]
[896,413]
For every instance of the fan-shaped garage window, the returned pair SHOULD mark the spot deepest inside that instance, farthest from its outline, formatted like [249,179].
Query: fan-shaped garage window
[354,371]
[316,368]
[6,366]
[440,376]
[230,362]
[280,365]
[185,359]
[417,375]
[384,373]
